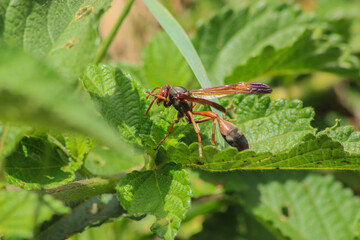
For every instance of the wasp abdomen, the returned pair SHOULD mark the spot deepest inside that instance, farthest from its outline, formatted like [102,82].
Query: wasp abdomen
[233,135]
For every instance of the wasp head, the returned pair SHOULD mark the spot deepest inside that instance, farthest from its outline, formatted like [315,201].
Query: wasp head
[160,97]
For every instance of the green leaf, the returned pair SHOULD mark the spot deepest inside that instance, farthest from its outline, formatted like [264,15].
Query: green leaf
[120,100]
[3,5]
[163,63]
[37,163]
[104,161]
[312,153]
[271,126]
[342,17]
[305,55]
[47,101]
[135,70]
[163,192]
[269,39]
[201,188]
[337,9]
[232,224]
[11,135]
[302,207]
[63,32]
[216,33]
[347,137]
[22,211]
[78,146]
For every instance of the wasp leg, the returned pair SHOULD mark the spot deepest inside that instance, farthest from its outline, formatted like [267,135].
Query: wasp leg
[210,115]
[229,131]
[155,95]
[152,102]
[197,130]
[170,130]
[213,132]
[149,93]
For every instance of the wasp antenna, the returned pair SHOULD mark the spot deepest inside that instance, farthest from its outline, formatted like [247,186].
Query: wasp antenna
[150,93]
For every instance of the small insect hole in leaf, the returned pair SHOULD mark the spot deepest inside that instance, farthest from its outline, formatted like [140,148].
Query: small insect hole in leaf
[98,162]
[285,211]
[69,44]
[83,12]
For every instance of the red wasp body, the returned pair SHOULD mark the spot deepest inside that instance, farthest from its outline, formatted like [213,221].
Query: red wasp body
[183,100]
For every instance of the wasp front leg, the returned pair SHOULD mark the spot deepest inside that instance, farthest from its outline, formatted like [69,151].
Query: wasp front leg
[179,116]
[167,103]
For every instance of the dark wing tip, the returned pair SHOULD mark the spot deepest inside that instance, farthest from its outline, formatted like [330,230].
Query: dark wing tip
[259,88]
[222,109]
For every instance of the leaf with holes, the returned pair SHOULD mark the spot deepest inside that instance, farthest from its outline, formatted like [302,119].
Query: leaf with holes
[302,206]
[164,193]
[63,32]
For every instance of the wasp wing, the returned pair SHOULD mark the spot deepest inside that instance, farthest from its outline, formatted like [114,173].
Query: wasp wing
[202,101]
[221,91]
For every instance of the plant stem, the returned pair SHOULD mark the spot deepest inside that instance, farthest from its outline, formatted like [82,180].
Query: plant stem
[83,189]
[107,41]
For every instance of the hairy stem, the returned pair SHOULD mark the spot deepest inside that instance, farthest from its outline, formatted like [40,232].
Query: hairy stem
[107,41]
[82,189]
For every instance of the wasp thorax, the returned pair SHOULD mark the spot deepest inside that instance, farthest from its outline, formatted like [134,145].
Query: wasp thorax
[181,106]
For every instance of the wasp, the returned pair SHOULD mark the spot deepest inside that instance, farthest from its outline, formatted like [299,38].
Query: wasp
[184,101]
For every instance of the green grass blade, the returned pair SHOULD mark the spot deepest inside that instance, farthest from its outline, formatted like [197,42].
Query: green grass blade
[178,35]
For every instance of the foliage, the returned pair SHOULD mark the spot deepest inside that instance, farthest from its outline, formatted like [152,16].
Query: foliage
[77,150]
